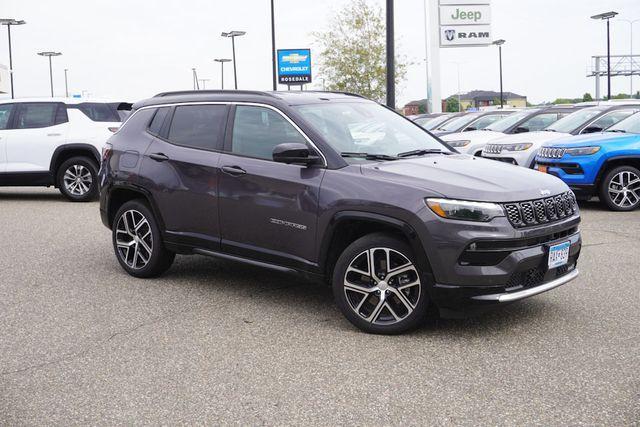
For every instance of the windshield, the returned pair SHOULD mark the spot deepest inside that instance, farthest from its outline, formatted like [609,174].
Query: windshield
[458,123]
[507,122]
[630,124]
[365,127]
[485,121]
[430,123]
[575,120]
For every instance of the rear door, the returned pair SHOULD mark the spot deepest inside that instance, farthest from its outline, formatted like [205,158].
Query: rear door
[180,167]
[5,116]
[38,128]
[268,210]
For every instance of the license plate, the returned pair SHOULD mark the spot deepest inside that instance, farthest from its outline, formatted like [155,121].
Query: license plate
[543,168]
[559,254]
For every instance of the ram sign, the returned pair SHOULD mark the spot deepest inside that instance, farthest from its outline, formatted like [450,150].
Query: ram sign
[465,23]
[294,66]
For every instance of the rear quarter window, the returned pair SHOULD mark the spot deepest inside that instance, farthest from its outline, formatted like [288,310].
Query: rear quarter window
[99,112]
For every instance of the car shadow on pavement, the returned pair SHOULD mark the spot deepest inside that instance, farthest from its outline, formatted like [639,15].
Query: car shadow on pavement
[280,291]
[33,196]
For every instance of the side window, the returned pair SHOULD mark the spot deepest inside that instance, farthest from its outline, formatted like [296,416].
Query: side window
[198,126]
[539,122]
[5,113]
[257,130]
[40,115]
[155,127]
[608,120]
[99,112]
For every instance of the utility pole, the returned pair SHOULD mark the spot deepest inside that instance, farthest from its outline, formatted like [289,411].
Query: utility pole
[273,48]
[49,55]
[391,75]
[607,17]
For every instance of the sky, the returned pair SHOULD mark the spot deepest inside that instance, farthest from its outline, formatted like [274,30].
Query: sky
[133,49]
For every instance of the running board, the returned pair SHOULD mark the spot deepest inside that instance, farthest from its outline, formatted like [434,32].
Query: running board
[214,254]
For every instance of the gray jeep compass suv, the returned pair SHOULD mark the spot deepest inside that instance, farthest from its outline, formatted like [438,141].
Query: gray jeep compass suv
[334,186]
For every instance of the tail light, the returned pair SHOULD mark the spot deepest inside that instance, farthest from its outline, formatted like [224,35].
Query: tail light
[113,129]
[106,151]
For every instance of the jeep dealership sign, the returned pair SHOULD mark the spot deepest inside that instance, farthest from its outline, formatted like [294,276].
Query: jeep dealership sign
[465,23]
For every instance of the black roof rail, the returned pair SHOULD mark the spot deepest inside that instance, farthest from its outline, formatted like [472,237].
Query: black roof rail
[212,92]
[338,92]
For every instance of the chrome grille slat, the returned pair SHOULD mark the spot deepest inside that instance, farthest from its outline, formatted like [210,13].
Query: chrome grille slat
[541,211]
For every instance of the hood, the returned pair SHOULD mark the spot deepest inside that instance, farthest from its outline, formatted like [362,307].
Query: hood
[475,136]
[537,138]
[603,138]
[468,178]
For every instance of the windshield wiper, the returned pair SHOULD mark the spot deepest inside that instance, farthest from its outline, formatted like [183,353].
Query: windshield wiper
[423,152]
[616,130]
[368,156]
[549,130]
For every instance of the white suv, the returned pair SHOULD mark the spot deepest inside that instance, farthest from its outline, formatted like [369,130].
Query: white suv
[56,141]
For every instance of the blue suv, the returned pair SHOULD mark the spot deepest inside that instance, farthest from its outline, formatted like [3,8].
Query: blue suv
[605,164]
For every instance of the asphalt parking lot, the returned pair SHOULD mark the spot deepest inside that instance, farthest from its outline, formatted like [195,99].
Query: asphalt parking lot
[217,342]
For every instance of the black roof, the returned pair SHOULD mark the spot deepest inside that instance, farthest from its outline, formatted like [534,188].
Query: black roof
[267,97]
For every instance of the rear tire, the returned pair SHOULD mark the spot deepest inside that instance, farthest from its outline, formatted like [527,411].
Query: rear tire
[137,241]
[390,298]
[77,179]
[620,189]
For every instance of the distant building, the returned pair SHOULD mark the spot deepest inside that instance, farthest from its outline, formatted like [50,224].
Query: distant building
[487,98]
[415,107]
[4,79]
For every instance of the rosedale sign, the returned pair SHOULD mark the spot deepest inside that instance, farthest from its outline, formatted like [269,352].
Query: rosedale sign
[465,23]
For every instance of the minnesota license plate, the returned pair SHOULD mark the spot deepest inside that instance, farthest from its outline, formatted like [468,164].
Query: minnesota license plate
[559,254]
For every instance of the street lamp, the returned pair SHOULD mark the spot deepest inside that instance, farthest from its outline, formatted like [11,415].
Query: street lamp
[9,22]
[630,22]
[66,84]
[273,48]
[391,74]
[222,61]
[233,35]
[499,43]
[50,54]
[607,16]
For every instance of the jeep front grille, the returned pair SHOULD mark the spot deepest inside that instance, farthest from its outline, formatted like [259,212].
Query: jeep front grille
[551,153]
[541,211]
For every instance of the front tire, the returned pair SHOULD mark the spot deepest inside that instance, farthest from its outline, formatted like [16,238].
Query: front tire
[77,179]
[378,286]
[137,241]
[620,189]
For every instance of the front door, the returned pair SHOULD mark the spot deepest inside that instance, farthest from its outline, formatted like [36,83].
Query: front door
[180,167]
[37,130]
[268,210]
[5,115]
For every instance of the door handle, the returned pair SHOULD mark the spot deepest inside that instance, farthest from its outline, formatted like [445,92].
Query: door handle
[54,134]
[234,170]
[159,157]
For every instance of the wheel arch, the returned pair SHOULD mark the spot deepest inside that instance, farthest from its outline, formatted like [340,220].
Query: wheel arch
[120,194]
[67,151]
[614,162]
[347,226]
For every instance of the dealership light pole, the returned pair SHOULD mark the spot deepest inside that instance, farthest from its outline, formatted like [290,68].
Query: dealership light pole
[66,84]
[49,55]
[9,22]
[233,35]
[630,22]
[222,61]
[607,16]
[499,43]
[273,48]
[391,75]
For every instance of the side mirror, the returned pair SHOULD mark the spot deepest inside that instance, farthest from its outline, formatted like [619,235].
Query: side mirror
[293,153]
[592,129]
[521,129]
[469,129]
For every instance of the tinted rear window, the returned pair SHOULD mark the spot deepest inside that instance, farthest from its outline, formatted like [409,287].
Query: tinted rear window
[40,115]
[198,126]
[158,120]
[99,112]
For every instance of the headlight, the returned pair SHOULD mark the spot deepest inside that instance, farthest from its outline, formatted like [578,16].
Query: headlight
[582,151]
[517,147]
[465,211]
[458,143]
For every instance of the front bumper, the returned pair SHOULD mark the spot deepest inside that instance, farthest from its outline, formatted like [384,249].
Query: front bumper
[520,158]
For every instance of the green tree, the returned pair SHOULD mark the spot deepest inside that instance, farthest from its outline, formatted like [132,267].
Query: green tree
[452,105]
[353,51]
[587,97]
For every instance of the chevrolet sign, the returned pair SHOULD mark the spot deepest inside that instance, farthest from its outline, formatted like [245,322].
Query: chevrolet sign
[294,66]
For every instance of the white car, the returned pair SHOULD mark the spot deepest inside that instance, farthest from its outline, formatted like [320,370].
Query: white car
[521,149]
[529,120]
[56,141]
